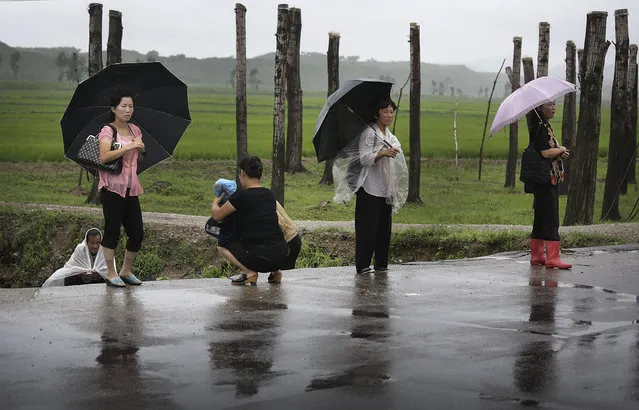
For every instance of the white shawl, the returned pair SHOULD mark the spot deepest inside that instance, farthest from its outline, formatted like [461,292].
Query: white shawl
[78,263]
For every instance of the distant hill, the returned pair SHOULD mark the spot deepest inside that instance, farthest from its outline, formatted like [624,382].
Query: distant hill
[39,64]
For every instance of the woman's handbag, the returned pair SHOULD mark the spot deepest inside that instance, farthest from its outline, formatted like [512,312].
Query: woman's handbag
[89,155]
[535,169]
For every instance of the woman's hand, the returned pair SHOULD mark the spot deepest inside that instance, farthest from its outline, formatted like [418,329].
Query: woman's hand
[564,152]
[217,199]
[387,152]
[391,152]
[220,212]
[136,144]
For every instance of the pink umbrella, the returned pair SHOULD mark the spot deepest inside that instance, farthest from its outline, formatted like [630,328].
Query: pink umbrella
[530,95]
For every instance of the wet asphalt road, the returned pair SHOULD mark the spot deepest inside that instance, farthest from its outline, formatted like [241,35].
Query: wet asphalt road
[490,333]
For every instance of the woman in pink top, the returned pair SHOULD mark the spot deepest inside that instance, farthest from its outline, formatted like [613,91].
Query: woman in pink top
[119,193]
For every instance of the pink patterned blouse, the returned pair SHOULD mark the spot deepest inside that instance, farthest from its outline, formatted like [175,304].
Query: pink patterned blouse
[128,178]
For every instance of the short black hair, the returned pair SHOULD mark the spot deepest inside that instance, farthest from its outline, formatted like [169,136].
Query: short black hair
[93,232]
[385,102]
[252,166]
[118,94]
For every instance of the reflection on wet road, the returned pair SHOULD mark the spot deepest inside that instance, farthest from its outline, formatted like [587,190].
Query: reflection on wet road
[483,333]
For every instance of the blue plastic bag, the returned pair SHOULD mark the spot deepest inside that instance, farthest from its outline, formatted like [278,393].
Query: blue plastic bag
[225,186]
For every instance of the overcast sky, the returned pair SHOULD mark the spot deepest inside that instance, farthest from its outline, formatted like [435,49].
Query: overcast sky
[476,32]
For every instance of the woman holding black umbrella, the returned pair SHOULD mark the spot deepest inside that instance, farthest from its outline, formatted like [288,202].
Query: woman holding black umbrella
[119,192]
[373,209]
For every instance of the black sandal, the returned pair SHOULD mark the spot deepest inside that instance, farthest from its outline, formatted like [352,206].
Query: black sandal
[243,279]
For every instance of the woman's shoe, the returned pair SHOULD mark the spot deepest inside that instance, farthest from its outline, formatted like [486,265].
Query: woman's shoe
[365,270]
[537,256]
[115,282]
[553,259]
[381,269]
[131,280]
[275,277]
[243,280]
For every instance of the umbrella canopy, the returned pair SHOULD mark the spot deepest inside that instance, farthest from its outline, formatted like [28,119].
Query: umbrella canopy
[528,96]
[345,113]
[161,108]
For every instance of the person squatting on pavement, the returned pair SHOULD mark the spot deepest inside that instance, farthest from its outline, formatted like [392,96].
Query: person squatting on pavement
[258,244]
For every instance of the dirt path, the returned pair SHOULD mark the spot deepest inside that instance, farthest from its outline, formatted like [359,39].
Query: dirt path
[628,231]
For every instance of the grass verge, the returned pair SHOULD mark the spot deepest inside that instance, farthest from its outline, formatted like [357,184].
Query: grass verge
[34,243]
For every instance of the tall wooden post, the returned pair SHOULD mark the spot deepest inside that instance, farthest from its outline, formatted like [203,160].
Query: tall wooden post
[544,47]
[95,65]
[631,118]
[241,128]
[581,65]
[569,123]
[529,75]
[513,143]
[414,169]
[294,138]
[114,43]
[529,69]
[617,161]
[581,192]
[279,149]
[95,38]
[332,66]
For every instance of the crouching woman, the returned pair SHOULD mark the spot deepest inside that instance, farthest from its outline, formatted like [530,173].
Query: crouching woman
[259,244]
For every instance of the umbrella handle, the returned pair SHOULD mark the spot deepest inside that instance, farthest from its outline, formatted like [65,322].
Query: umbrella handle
[388,145]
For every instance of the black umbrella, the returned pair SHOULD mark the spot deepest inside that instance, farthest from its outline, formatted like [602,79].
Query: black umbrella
[345,113]
[161,108]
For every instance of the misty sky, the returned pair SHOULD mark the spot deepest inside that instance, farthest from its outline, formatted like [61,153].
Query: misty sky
[476,32]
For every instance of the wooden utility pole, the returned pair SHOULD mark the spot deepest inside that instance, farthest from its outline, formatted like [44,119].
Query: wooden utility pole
[95,65]
[569,122]
[114,43]
[616,164]
[332,66]
[581,65]
[294,90]
[581,192]
[95,38]
[529,69]
[241,128]
[544,48]
[513,143]
[279,148]
[414,169]
[631,119]
[529,75]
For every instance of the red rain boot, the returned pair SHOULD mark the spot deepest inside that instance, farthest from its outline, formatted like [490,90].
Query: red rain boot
[537,252]
[553,260]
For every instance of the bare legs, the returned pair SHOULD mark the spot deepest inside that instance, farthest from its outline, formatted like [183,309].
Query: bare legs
[129,258]
[226,254]
[109,258]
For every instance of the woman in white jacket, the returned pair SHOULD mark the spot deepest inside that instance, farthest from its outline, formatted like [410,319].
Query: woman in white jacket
[379,190]
[86,265]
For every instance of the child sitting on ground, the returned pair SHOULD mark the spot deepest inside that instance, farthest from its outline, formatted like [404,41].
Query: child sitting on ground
[86,264]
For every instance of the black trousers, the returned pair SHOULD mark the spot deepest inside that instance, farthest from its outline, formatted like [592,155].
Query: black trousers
[546,206]
[124,212]
[373,224]
[294,248]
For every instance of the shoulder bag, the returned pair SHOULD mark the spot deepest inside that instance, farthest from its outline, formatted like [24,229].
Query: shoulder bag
[535,169]
[89,155]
